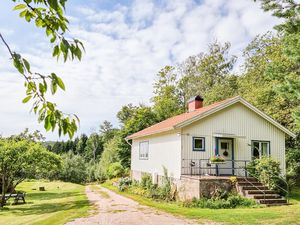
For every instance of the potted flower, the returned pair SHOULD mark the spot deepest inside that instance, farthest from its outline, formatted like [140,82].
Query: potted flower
[217,159]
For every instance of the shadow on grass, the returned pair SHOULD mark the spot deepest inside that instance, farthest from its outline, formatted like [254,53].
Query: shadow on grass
[46,208]
[295,195]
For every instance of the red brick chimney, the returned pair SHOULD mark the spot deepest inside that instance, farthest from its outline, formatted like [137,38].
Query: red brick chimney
[195,102]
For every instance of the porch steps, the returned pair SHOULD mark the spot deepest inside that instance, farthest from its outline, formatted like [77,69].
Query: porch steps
[252,188]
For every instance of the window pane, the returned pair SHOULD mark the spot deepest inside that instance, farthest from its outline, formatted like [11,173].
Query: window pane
[255,149]
[224,145]
[199,143]
[144,150]
[265,148]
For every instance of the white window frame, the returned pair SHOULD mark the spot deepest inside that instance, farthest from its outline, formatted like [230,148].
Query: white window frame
[260,142]
[144,150]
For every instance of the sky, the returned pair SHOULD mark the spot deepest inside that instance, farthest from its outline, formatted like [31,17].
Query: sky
[127,43]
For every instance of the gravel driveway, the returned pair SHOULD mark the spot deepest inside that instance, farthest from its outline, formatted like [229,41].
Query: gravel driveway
[114,209]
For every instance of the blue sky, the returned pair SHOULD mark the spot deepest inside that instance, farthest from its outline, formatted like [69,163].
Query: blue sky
[127,42]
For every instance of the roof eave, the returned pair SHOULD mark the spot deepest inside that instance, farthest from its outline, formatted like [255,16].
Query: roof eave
[231,102]
[149,134]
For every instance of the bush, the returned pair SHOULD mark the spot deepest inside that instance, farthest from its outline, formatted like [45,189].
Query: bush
[147,189]
[266,170]
[146,181]
[115,170]
[293,164]
[232,201]
[124,183]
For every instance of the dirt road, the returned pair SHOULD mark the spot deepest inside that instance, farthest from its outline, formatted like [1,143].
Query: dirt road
[114,209]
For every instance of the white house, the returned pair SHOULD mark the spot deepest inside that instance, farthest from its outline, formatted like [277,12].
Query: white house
[183,144]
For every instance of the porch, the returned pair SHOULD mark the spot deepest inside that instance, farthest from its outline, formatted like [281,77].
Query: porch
[203,168]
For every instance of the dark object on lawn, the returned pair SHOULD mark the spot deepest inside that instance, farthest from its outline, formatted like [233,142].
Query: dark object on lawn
[42,189]
[17,197]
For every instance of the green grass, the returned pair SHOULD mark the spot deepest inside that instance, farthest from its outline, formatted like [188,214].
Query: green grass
[266,215]
[60,203]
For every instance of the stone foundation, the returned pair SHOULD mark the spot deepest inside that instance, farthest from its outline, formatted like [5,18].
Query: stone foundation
[189,187]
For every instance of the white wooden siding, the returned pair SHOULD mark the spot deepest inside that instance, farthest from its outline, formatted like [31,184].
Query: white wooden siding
[164,150]
[239,120]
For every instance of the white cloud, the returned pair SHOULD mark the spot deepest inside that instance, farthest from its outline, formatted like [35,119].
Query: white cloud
[125,47]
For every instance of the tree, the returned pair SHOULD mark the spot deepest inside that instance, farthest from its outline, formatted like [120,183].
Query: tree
[126,112]
[73,168]
[109,156]
[24,159]
[81,144]
[287,71]
[256,85]
[166,100]
[107,131]
[208,73]
[26,135]
[94,147]
[49,16]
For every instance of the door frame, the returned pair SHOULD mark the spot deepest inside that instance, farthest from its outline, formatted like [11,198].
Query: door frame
[217,152]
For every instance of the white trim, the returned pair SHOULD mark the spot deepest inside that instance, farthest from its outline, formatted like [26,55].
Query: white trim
[227,135]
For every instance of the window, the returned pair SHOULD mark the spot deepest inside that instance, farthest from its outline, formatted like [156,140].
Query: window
[144,150]
[198,144]
[260,148]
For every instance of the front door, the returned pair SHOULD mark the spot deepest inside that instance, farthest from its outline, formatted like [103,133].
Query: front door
[225,150]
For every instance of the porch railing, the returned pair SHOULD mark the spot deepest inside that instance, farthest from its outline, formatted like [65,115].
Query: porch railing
[205,167]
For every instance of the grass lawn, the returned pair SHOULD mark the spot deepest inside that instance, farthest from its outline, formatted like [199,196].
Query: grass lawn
[60,203]
[265,215]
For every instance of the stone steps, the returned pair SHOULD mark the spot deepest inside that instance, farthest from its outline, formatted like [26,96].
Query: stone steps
[255,192]
[273,201]
[252,188]
[266,196]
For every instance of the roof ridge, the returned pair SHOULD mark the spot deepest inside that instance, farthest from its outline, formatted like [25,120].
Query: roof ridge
[169,123]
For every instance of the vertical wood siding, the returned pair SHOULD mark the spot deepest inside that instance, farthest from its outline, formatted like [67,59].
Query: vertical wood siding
[239,120]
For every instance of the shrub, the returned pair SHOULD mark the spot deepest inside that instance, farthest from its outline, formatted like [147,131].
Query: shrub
[115,170]
[267,171]
[146,181]
[147,189]
[232,201]
[293,164]
[124,183]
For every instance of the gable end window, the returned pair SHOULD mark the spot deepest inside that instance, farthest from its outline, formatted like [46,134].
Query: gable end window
[198,144]
[260,148]
[144,150]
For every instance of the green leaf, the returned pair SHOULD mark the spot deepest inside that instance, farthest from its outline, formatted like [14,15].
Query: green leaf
[27,65]
[53,4]
[47,123]
[48,31]
[20,6]
[61,83]
[53,87]
[53,38]
[18,65]
[56,51]
[23,13]
[39,22]
[27,99]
